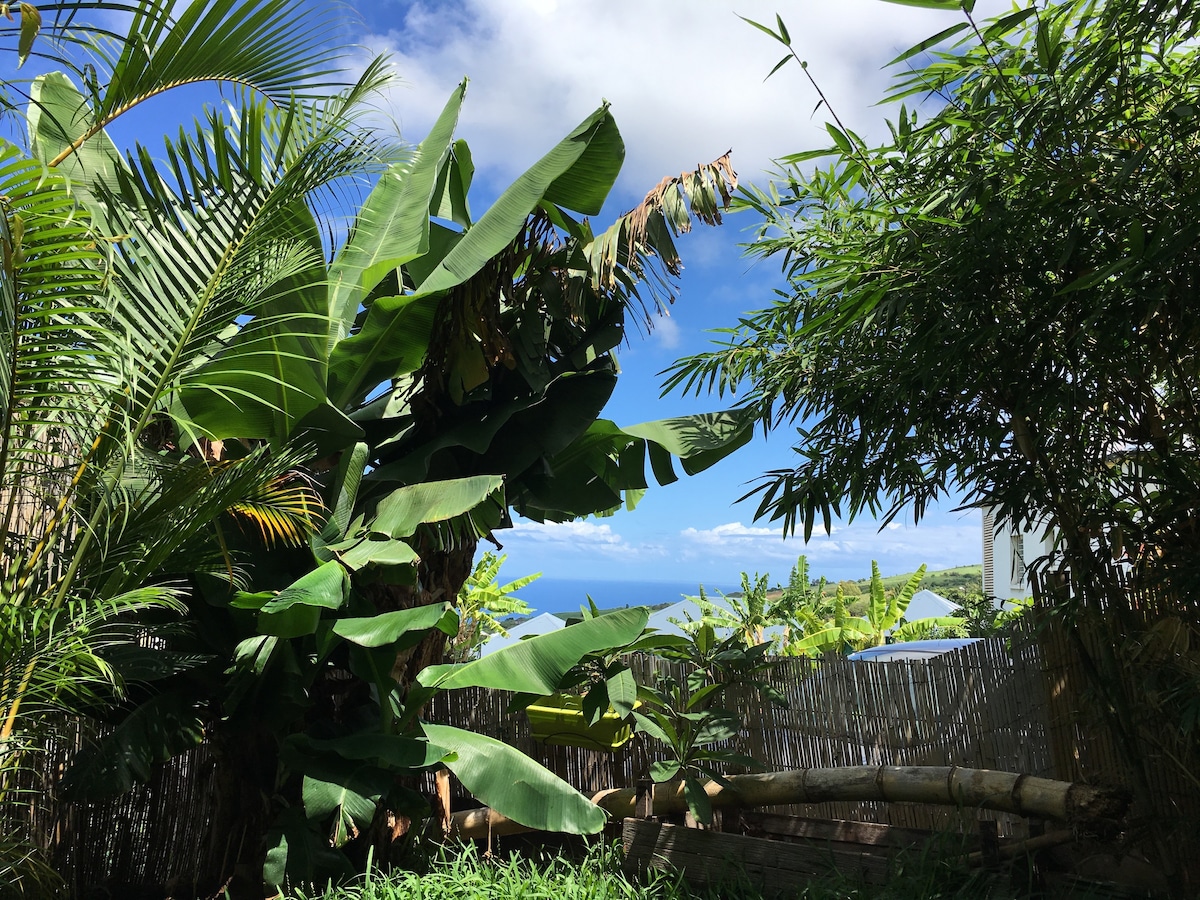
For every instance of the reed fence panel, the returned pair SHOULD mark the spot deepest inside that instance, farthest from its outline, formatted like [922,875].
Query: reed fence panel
[983,706]
[1148,649]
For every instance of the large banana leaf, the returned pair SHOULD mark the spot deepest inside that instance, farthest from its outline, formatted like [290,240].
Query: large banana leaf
[59,120]
[511,436]
[295,853]
[606,465]
[537,665]
[343,794]
[392,226]
[399,514]
[386,629]
[511,783]
[454,505]
[326,586]
[579,169]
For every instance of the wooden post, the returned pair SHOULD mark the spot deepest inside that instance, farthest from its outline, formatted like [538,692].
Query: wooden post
[442,780]
[989,843]
[644,807]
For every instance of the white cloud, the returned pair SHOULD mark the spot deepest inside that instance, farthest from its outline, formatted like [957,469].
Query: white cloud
[726,532]
[685,80]
[566,533]
[845,553]
[581,538]
[666,332]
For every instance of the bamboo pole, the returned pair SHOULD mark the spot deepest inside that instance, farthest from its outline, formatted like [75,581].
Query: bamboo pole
[1024,795]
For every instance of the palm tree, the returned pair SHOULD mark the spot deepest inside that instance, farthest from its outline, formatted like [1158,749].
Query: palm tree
[115,281]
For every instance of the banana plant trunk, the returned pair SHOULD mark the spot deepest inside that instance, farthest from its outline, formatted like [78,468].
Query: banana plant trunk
[441,575]
[244,768]
[245,761]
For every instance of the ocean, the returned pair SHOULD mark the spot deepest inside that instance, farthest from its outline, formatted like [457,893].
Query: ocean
[567,595]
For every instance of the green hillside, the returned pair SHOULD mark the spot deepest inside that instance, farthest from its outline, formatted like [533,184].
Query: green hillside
[938,581]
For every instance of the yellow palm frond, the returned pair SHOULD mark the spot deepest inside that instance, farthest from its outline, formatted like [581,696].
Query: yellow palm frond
[284,510]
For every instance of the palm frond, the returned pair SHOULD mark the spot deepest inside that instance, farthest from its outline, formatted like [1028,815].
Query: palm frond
[271,46]
[158,520]
[283,510]
[223,228]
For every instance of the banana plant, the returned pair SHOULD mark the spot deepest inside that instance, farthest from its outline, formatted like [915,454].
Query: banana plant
[457,346]
[603,677]
[482,602]
[885,615]
[693,717]
[435,349]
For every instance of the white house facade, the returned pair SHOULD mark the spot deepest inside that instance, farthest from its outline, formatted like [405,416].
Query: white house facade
[1007,553]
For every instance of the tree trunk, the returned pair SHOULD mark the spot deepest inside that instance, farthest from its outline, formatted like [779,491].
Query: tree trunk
[245,765]
[440,576]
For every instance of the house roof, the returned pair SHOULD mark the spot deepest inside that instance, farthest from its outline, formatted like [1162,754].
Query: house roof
[926,604]
[543,624]
[911,650]
[681,611]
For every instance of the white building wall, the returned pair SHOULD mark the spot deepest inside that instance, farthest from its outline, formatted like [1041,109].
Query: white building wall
[1007,554]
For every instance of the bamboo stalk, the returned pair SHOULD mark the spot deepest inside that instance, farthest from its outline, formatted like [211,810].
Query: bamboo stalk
[1009,792]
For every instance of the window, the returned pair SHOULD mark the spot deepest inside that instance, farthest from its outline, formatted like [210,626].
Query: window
[1017,580]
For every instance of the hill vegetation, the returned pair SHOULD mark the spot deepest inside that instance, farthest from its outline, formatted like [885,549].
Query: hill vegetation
[939,581]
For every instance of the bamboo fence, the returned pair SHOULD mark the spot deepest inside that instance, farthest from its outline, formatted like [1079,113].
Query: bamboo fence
[983,707]
[1154,643]
[140,839]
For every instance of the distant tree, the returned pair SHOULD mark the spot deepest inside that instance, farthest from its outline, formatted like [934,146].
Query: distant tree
[882,621]
[999,304]
[757,617]
[482,603]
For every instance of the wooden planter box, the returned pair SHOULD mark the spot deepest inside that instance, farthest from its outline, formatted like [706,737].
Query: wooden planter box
[710,859]
[558,719]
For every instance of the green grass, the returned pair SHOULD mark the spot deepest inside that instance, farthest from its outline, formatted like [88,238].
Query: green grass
[465,875]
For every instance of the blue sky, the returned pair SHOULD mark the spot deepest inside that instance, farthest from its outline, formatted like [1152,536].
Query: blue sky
[686,83]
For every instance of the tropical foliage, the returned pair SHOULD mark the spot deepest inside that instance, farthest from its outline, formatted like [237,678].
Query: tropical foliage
[883,622]
[997,304]
[482,603]
[246,404]
[107,299]
[695,718]
[805,619]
